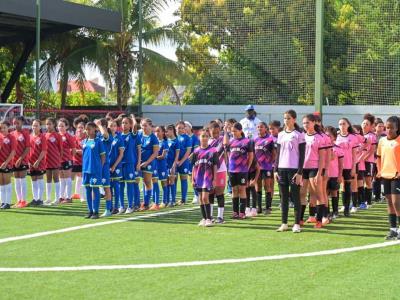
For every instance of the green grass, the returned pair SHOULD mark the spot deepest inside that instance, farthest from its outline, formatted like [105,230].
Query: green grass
[368,274]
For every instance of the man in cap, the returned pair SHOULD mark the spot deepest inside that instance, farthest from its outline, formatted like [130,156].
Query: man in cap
[250,123]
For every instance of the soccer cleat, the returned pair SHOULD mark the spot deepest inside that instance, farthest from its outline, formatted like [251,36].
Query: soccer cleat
[282,228]
[55,202]
[363,206]
[195,200]
[311,220]
[2,205]
[242,216]
[180,203]
[318,225]
[106,214]
[162,205]
[248,212]
[392,235]
[76,197]
[33,203]
[94,216]
[296,228]
[219,220]
[253,212]
[83,200]
[39,203]
[66,201]
[6,206]
[121,210]
[47,202]
[208,223]
[89,215]
[353,210]
[171,204]
[235,215]
[342,209]
[115,211]
[155,207]
[129,211]
[202,222]
[325,221]
[16,205]
[335,216]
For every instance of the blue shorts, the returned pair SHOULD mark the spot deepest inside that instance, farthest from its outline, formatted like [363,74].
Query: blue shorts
[117,174]
[162,174]
[129,172]
[92,180]
[190,168]
[150,168]
[184,168]
[105,176]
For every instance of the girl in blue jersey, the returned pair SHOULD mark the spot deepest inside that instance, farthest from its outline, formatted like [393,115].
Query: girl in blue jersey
[172,162]
[183,164]
[94,156]
[149,148]
[115,155]
[195,144]
[162,170]
[130,165]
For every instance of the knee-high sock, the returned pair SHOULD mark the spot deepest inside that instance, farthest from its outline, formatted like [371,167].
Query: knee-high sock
[3,194]
[221,205]
[18,188]
[184,187]
[115,190]
[122,194]
[242,205]
[62,188]
[96,200]
[40,186]
[49,187]
[78,184]
[9,193]
[173,193]
[34,189]
[136,194]
[165,194]
[156,189]
[130,193]
[57,188]
[68,188]
[89,198]
[235,205]
[23,188]
[147,197]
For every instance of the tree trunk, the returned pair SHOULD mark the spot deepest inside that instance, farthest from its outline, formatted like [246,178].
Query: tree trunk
[19,94]
[64,87]
[118,81]
[178,100]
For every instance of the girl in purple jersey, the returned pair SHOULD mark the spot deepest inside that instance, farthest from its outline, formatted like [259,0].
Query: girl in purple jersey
[289,165]
[370,166]
[264,151]
[347,141]
[204,161]
[241,155]
[314,163]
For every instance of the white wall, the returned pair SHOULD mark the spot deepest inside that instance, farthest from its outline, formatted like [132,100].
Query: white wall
[199,115]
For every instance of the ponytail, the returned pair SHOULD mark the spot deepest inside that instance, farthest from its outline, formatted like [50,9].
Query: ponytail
[293,114]
[314,119]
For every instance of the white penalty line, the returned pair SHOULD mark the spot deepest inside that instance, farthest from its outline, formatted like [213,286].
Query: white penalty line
[202,263]
[86,226]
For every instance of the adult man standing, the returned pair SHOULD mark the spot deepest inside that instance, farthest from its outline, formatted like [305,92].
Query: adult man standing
[250,123]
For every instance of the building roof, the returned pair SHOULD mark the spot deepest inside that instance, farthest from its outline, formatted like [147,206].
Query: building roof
[88,85]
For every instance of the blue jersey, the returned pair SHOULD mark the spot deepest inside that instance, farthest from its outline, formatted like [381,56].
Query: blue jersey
[91,157]
[107,147]
[163,146]
[195,142]
[185,143]
[116,145]
[173,146]
[148,143]
[131,144]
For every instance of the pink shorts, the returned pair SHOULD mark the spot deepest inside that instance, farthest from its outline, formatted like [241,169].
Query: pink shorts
[221,179]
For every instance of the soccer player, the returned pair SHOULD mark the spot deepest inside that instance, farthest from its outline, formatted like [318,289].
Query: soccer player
[204,161]
[217,141]
[347,141]
[93,159]
[264,151]
[195,144]
[162,169]
[289,166]
[80,137]
[335,169]
[53,161]
[21,160]
[358,182]
[314,163]
[37,162]
[253,176]
[115,156]
[388,164]
[68,144]
[241,154]
[7,153]
[379,130]
[370,166]
[148,167]
[183,164]
[172,162]
[130,165]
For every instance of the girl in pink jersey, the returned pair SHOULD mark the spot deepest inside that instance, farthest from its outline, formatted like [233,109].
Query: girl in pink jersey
[347,141]
[289,166]
[370,166]
[379,130]
[358,182]
[335,168]
[314,162]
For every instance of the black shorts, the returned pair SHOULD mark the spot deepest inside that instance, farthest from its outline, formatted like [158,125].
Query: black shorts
[6,170]
[265,174]
[333,184]
[21,168]
[360,175]
[347,174]
[77,169]
[285,176]
[36,172]
[370,169]
[251,176]
[66,165]
[203,190]
[391,186]
[309,173]
[238,179]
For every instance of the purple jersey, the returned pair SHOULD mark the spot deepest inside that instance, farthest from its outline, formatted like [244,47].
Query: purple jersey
[203,161]
[218,144]
[263,148]
[289,148]
[239,150]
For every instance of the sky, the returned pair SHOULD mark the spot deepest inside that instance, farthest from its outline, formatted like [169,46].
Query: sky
[168,50]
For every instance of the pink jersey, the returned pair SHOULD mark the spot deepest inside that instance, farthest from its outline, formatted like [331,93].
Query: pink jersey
[360,150]
[372,141]
[289,149]
[314,143]
[333,169]
[328,147]
[347,144]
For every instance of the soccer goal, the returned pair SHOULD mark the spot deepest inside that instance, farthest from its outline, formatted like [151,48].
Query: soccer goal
[9,111]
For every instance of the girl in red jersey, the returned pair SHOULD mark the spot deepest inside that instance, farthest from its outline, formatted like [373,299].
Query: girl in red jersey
[68,144]
[20,160]
[37,162]
[80,137]
[53,160]
[7,153]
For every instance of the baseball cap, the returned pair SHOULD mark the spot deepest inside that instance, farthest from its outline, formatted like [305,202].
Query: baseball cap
[249,107]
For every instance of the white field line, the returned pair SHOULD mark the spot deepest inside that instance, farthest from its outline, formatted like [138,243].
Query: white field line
[203,263]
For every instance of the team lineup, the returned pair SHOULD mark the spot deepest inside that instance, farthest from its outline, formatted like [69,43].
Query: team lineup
[108,158]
